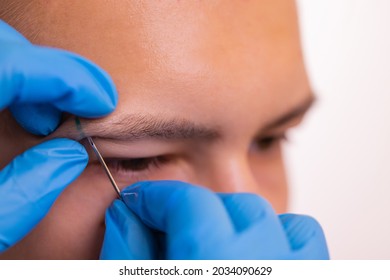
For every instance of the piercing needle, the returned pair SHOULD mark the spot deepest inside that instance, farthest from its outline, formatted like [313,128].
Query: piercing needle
[103,163]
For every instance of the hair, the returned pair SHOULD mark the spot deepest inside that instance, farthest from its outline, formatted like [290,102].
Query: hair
[21,15]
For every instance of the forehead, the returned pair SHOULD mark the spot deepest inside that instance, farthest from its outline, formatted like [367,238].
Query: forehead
[174,56]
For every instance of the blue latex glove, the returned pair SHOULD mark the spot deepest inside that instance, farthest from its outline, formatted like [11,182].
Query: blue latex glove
[38,84]
[199,224]
[31,184]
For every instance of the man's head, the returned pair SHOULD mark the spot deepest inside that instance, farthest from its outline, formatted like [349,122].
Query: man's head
[207,90]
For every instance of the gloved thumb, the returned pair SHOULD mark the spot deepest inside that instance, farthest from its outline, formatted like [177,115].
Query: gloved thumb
[126,237]
[306,237]
[30,184]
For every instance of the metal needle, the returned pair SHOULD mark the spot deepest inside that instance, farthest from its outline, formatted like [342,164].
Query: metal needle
[103,163]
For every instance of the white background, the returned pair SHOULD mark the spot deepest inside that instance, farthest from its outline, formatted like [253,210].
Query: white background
[281,270]
[339,160]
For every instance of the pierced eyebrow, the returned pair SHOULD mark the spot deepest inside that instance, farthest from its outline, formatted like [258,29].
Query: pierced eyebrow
[296,112]
[133,127]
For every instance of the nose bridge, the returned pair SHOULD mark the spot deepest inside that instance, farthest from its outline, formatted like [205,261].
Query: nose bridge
[232,174]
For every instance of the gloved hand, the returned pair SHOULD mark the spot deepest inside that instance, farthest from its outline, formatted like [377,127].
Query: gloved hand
[37,84]
[199,224]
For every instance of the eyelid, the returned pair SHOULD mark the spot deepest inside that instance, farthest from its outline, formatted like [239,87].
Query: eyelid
[136,167]
[282,129]
[265,144]
[117,149]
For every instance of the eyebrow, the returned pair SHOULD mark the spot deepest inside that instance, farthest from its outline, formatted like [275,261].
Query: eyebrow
[295,113]
[135,127]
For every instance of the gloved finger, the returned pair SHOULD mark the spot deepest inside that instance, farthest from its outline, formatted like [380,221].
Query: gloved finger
[30,184]
[260,231]
[8,34]
[306,236]
[186,213]
[244,209]
[126,237]
[38,83]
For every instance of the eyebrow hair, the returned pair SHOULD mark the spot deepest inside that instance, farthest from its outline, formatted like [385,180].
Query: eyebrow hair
[135,127]
[21,15]
[294,113]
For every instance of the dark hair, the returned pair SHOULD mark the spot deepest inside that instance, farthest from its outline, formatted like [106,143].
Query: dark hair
[16,13]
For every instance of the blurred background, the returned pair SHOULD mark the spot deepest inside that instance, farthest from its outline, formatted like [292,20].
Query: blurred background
[339,160]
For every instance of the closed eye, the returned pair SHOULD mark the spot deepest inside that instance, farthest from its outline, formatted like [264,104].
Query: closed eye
[137,166]
[266,143]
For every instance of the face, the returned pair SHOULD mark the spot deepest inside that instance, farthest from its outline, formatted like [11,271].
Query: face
[207,93]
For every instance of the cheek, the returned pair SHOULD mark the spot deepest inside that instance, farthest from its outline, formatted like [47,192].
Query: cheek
[79,213]
[74,227]
[77,217]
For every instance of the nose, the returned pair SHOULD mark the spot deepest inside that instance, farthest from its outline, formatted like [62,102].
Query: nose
[233,174]
[230,175]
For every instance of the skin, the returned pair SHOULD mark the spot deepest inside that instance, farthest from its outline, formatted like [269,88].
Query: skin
[232,68]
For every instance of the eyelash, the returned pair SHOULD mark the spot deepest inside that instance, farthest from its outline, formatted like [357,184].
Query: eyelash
[136,165]
[267,143]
